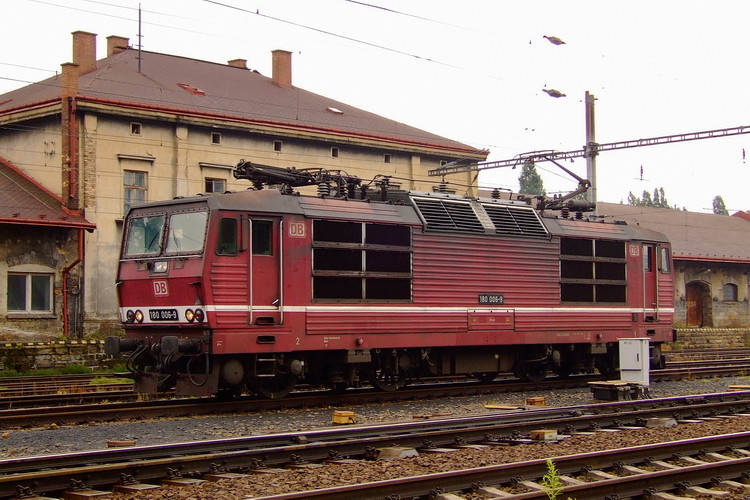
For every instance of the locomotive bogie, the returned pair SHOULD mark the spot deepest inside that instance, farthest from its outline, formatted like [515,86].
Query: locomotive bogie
[265,290]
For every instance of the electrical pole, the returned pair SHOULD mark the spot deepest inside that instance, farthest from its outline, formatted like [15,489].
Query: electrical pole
[591,149]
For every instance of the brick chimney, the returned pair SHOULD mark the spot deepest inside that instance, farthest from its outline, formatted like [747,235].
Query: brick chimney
[117,44]
[69,79]
[282,68]
[69,132]
[238,63]
[84,51]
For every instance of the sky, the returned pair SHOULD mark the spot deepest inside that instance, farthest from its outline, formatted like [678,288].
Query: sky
[472,71]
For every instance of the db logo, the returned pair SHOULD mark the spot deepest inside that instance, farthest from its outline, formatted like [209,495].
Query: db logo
[634,250]
[297,229]
[160,288]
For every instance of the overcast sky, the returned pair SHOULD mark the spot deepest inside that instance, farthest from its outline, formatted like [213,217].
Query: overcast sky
[472,71]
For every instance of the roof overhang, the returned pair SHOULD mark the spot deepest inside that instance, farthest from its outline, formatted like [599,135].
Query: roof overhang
[88,226]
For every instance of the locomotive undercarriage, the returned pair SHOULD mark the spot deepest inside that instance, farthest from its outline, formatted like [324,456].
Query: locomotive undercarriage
[182,366]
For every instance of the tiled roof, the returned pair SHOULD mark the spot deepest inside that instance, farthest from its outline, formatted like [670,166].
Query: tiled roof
[24,201]
[694,235]
[202,88]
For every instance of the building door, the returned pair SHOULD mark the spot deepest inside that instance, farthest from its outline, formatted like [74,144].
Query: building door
[265,298]
[694,304]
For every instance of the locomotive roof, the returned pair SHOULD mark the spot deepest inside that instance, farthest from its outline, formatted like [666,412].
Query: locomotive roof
[272,202]
[434,211]
[599,229]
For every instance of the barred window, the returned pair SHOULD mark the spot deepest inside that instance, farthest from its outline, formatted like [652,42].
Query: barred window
[592,270]
[361,261]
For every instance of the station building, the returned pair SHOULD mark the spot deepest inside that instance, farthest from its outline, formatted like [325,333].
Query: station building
[712,270]
[143,126]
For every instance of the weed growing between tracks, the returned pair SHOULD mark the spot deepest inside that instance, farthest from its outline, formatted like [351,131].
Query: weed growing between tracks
[551,482]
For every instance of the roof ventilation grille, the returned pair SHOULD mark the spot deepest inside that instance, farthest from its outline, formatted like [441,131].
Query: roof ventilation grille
[515,220]
[448,215]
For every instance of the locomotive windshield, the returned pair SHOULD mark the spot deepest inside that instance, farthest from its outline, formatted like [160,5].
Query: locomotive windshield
[185,234]
[144,235]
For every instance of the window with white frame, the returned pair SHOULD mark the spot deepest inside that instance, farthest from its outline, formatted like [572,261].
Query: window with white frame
[135,188]
[29,292]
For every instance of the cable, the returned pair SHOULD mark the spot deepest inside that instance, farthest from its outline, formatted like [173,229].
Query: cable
[393,11]
[336,35]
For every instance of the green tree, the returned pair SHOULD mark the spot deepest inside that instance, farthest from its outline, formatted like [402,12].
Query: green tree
[530,181]
[658,200]
[719,207]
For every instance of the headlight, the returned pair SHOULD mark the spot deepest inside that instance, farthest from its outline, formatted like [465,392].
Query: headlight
[200,315]
[130,316]
[160,266]
[139,316]
[190,315]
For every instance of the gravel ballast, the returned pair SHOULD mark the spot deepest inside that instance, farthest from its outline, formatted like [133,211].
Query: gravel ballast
[55,440]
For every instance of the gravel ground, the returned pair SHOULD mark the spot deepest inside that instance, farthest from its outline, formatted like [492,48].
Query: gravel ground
[54,439]
[25,442]
[366,471]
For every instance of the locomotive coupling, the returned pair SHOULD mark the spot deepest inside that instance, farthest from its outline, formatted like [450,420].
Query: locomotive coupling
[115,345]
[172,345]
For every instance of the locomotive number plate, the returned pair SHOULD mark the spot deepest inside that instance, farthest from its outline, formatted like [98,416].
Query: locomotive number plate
[162,314]
[490,298]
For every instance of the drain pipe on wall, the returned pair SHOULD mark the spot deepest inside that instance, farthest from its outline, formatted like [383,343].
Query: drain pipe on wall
[65,276]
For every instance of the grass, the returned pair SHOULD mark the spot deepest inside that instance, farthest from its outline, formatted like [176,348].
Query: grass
[110,380]
[72,369]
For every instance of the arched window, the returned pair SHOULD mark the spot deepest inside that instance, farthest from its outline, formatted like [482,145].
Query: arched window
[730,292]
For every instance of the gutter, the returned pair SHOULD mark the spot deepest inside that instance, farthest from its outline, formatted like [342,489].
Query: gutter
[65,274]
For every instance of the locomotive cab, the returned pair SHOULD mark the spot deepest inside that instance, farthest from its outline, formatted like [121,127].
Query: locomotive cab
[162,300]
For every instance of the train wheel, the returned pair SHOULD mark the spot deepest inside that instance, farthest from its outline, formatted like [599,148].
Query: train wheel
[274,387]
[386,374]
[531,371]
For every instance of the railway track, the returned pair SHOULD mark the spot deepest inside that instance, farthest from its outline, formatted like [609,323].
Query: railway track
[625,472]
[107,406]
[45,385]
[712,466]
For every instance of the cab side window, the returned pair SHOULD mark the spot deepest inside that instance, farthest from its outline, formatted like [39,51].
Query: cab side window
[262,237]
[227,241]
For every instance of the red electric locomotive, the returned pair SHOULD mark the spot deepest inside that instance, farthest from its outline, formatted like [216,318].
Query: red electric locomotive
[262,288]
